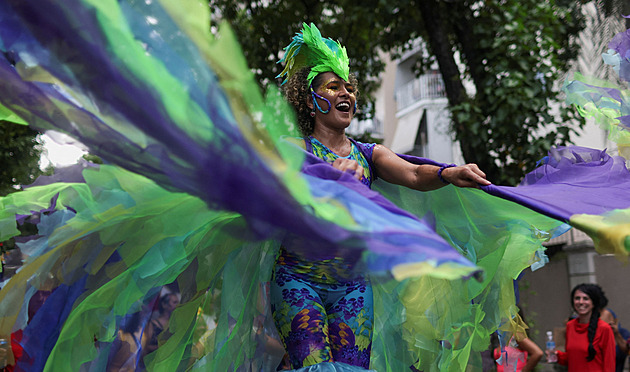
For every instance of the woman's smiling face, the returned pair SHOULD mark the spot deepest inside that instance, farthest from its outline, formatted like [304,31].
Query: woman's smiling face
[582,304]
[340,94]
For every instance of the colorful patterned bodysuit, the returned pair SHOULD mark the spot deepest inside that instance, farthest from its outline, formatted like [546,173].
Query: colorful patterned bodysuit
[323,313]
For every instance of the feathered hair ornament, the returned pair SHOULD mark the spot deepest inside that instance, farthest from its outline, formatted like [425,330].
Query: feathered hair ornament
[310,49]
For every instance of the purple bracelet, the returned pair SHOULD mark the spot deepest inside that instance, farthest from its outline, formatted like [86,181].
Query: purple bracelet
[440,172]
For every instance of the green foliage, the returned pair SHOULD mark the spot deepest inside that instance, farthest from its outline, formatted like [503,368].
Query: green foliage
[26,230]
[20,150]
[367,137]
[264,28]
[514,52]
[524,49]
[92,158]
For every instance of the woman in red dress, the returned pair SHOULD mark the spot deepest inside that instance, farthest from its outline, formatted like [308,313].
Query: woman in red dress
[590,343]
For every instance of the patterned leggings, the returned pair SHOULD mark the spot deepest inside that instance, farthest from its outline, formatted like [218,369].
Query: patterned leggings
[323,322]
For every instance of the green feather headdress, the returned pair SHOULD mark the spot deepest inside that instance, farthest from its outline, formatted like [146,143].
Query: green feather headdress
[310,49]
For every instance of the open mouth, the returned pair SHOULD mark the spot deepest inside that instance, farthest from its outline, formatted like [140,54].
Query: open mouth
[343,107]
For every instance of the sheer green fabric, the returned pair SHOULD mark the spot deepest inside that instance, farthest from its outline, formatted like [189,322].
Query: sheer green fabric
[122,235]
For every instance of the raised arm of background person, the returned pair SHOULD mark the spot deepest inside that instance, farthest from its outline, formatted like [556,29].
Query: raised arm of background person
[619,338]
[534,353]
[391,168]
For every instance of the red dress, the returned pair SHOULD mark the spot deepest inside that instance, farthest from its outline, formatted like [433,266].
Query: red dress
[577,348]
[514,359]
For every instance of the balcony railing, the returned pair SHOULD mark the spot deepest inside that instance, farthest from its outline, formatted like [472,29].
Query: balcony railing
[428,86]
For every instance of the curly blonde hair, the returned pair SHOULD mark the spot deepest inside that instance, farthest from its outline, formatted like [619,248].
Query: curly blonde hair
[298,92]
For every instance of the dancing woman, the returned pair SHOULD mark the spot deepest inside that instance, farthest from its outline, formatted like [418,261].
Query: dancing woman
[323,308]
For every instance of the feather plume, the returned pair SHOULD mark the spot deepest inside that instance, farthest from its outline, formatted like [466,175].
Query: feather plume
[310,49]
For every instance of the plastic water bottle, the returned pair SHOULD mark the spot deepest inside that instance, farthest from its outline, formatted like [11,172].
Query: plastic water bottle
[552,357]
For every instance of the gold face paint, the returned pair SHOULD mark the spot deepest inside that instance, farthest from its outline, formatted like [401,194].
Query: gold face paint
[333,85]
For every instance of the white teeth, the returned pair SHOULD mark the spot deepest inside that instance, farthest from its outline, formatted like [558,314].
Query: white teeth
[343,106]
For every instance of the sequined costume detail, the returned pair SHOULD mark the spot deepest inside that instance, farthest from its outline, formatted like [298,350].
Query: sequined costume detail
[323,309]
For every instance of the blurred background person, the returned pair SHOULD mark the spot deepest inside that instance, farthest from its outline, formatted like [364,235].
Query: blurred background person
[590,343]
[168,302]
[521,354]
[621,337]
[126,350]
